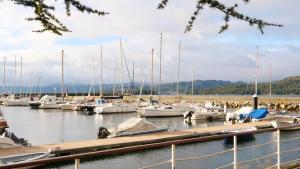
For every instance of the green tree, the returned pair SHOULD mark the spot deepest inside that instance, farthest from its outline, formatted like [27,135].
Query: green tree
[44,14]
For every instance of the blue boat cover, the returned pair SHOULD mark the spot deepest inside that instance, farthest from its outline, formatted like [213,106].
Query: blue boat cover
[259,113]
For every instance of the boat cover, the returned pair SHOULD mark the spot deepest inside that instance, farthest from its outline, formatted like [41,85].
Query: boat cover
[136,124]
[259,113]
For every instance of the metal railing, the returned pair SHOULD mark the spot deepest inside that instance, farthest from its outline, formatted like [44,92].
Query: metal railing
[77,157]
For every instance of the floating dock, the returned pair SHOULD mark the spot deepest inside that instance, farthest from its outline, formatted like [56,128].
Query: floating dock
[122,142]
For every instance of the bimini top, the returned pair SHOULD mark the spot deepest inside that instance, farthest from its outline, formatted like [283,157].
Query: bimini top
[259,113]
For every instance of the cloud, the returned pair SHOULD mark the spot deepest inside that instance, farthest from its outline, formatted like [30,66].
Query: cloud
[226,56]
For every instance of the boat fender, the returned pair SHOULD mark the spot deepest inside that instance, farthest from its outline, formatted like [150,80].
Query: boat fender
[103,133]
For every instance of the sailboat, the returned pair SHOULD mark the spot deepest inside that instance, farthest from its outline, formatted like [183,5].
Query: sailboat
[158,110]
[118,106]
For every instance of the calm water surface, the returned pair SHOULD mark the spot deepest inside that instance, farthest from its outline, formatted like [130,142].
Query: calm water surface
[55,126]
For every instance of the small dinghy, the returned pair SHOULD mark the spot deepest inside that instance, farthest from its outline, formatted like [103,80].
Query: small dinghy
[24,158]
[130,127]
[286,125]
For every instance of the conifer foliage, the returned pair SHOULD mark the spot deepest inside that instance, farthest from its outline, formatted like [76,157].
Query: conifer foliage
[229,12]
[44,13]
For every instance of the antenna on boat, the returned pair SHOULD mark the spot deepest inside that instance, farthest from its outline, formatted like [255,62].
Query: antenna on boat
[178,71]
[160,50]
[62,74]
[152,51]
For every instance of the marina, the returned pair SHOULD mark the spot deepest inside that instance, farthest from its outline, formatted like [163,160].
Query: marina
[149,85]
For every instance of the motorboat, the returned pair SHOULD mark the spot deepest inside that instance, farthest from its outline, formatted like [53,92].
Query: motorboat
[13,100]
[130,127]
[73,104]
[246,114]
[51,102]
[116,107]
[204,114]
[161,111]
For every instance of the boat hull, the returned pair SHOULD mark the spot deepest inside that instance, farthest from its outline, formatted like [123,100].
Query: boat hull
[161,112]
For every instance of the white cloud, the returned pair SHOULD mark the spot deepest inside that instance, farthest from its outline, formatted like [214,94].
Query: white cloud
[219,56]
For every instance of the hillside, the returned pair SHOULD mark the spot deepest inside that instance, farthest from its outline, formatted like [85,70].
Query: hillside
[287,86]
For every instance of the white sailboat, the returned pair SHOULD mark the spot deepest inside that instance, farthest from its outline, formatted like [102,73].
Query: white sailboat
[119,106]
[160,110]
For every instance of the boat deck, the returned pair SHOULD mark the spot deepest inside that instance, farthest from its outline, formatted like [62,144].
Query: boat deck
[102,144]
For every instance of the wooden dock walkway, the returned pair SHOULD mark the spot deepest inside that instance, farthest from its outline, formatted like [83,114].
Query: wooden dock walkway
[104,144]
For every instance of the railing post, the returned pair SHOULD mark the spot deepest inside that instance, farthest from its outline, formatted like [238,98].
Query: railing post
[278,149]
[173,159]
[77,163]
[235,152]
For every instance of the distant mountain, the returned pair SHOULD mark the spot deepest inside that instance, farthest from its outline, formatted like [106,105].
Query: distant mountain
[287,86]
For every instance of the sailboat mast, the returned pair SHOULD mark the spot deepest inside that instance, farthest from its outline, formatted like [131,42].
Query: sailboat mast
[4,74]
[152,51]
[21,72]
[122,89]
[62,74]
[101,64]
[193,79]
[115,71]
[270,80]
[15,76]
[160,50]
[178,71]
[256,70]
[132,86]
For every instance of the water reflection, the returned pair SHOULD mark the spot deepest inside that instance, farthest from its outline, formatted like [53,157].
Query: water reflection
[54,126]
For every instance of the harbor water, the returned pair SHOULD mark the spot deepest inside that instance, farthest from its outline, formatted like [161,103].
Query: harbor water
[55,126]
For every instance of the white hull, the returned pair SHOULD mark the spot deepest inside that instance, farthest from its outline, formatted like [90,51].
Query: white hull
[159,112]
[50,106]
[68,106]
[16,102]
[291,126]
[119,108]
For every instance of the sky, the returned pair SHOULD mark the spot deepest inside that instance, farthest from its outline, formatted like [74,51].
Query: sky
[227,56]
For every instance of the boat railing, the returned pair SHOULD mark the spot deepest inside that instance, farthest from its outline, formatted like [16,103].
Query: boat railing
[236,163]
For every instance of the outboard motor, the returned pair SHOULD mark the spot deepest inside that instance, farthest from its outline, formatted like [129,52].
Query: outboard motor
[102,133]
[188,116]
[17,140]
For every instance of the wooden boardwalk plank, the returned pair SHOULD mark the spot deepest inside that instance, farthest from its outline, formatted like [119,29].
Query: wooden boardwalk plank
[90,145]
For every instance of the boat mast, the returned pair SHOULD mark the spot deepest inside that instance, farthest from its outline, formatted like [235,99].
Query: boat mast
[256,69]
[160,50]
[122,89]
[15,76]
[270,80]
[152,71]
[21,72]
[101,64]
[62,74]
[115,71]
[178,71]
[4,74]
[193,79]
[255,100]
[132,78]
